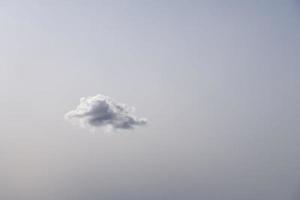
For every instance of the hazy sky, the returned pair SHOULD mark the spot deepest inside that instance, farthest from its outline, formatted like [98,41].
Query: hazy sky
[217,80]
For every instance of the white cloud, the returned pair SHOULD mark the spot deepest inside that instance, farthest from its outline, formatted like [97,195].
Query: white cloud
[104,112]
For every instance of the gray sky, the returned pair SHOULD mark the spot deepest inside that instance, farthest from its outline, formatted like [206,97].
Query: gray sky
[217,80]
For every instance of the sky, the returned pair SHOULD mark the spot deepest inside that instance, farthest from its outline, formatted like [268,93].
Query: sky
[218,82]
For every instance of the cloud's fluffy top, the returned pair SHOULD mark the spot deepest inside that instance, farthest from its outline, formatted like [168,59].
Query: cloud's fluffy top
[103,111]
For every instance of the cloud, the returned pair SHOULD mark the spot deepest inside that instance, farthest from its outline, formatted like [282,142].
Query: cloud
[104,112]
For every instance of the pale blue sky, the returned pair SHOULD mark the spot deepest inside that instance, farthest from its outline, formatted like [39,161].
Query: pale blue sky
[217,80]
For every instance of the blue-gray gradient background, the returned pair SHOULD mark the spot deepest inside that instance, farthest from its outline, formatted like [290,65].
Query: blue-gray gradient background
[218,81]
